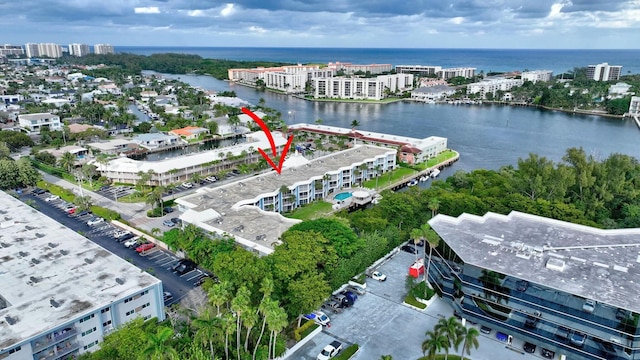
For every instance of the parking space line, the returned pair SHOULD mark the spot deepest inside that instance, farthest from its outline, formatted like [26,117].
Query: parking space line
[156,256]
[197,275]
[167,263]
[187,273]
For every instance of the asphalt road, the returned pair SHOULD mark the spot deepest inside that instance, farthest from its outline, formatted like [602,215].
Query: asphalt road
[157,263]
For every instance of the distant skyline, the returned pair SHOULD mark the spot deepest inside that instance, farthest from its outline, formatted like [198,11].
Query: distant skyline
[504,24]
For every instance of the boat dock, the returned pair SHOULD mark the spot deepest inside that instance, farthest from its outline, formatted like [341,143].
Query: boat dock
[423,175]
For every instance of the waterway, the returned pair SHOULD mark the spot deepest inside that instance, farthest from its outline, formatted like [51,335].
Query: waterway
[486,136]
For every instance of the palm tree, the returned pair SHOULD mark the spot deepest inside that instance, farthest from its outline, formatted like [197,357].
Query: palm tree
[451,329]
[433,204]
[386,357]
[239,305]
[156,231]
[67,161]
[416,236]
[158,347]
[89,172]
[434,343]
[219,295]
[276,322]
[209,330]
[469,338]
[154,197]
[143,179]
[355,124]
[83,202]
[378,168]
[250,320]
[266,308]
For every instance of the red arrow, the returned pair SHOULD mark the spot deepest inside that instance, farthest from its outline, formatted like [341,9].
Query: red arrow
[274,150]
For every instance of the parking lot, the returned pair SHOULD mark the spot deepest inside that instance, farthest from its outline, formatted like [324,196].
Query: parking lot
[115,192]
[156,261]
[381,325]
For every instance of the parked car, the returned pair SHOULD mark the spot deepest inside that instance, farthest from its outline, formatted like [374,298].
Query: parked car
[333,306]
[211,179]
[547,354]
[342,299]
[120,233]
[350,295]
[187,185]
[145,247]
[83,213]
[377,275]
[176,221]
[589,306]
[485,329]
[532,320]
[319,318]
[131,242]
[168,209]
[95,221]
[183,266]
[522,285]
[52,198]
[408,248]
[70,210]
[578,338]
[167,296]
[357,289]
[529,347]
[330,351]
[126,237]
[168,223]
[38,191]
[419,243]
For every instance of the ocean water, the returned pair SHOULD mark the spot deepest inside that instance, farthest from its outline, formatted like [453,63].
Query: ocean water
[482,59]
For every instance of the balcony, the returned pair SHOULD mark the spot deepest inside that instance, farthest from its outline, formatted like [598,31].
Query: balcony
[53,338]
[58,351]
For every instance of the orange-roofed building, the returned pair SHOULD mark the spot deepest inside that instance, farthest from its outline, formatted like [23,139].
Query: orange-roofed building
[189,132]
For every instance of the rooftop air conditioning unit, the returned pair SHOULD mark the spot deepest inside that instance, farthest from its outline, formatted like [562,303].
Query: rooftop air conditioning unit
[555,264]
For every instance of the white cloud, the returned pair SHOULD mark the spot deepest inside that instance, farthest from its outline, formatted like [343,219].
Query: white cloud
[227,10]
[257,29]
[457,20]
[195,13]
[147,10]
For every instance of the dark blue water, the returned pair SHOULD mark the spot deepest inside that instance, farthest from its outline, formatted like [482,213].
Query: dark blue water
[486,136]
[482,59]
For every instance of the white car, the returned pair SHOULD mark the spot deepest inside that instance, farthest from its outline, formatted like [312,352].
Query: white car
[187,185]
[131,242]
[95,221]
[330,351]
[211,179]
[589,306]
[119,234]
[319,318]
[377,275]
[52,198]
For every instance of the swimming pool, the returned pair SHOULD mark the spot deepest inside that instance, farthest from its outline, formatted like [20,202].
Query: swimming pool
[343,196]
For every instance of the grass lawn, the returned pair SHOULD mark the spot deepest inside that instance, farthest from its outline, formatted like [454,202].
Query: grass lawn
[441,357]
[314,210]
[134,197]
[383,180]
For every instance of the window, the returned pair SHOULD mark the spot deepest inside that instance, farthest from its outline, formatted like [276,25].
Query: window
[91,345]
[127,300]
[144,293]
[104,310]
[106,323]
[88,331]
[86,318]
[130,312]
[15,349]
[147,317]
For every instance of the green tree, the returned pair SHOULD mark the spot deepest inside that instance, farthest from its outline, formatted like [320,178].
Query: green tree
[450,328]
[9,174]
[27,174]
[67,161]
[306,294]
[209,330]
[83,202]
[159,347]
[154,197]
[4,150]
[434,343]
[469,338]
[90,171]
[219,295]
[239,305]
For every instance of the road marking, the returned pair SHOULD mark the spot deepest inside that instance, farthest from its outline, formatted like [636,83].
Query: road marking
[195,276]
[169,262]
[159,254]
[187,273]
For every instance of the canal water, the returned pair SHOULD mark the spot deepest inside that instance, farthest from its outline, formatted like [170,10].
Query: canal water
[486,136]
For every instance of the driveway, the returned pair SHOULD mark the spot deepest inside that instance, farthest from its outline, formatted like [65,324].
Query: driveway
[381,325]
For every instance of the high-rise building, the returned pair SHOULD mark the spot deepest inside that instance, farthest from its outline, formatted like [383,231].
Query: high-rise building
[604,72]
[537,75]
[103,49]
[31,50]
[78,49]
[61,293]
[7,49]
[568,289]
[49,49]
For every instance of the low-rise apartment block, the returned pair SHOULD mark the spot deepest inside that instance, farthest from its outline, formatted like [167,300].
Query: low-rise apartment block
[568,289]
[61,293]
[432,94]
[35,122]
[537,75]
[465,72]
[492,86]
[375,88]
[422,70]
[349,68]
[11,50]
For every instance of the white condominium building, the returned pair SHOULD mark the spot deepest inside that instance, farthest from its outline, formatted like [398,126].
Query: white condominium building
[465,72]
[537,75]
[49,49]
[293,80]
[31,50]
[423,70]
[61,293]
[34,122]
[103,49]
[634,106]
[7,49]
[361,88]
[78,49]
[492,86]
[350,68]
[604,72]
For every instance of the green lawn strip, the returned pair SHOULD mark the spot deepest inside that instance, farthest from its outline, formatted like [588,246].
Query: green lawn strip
[442,357]
[443,156]
[411,300]
[308,331]
[384,180]
[347,353]
[311,211]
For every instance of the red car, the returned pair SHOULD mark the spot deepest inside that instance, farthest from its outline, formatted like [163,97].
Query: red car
[145,247]
[71,211]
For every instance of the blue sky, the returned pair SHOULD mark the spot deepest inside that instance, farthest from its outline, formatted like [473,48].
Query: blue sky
[583,24]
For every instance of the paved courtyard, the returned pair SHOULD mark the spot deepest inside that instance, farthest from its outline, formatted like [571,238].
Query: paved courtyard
[381,325]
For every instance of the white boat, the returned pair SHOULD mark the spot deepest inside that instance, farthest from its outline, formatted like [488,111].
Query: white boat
[435,173]
[424,178]
[413,182]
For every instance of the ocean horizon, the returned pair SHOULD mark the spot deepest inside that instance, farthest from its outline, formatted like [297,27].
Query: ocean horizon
[493,59]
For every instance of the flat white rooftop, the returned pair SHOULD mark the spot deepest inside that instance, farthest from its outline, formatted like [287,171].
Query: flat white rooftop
[49,274]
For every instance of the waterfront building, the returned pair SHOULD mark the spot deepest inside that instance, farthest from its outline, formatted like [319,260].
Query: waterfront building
[61,293]
[567,288]
[537,75]
[189,132]
[604,72]
[619,90]
[79,49]
[294,79]
[103,49]
[251,76]
[349,68]
[156,140]
[422,70]
[375,88]
[432,94]
[31,50]
[492,86]
[634,106]
[11,50]
[249,209]
[465,72]
[34,122]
